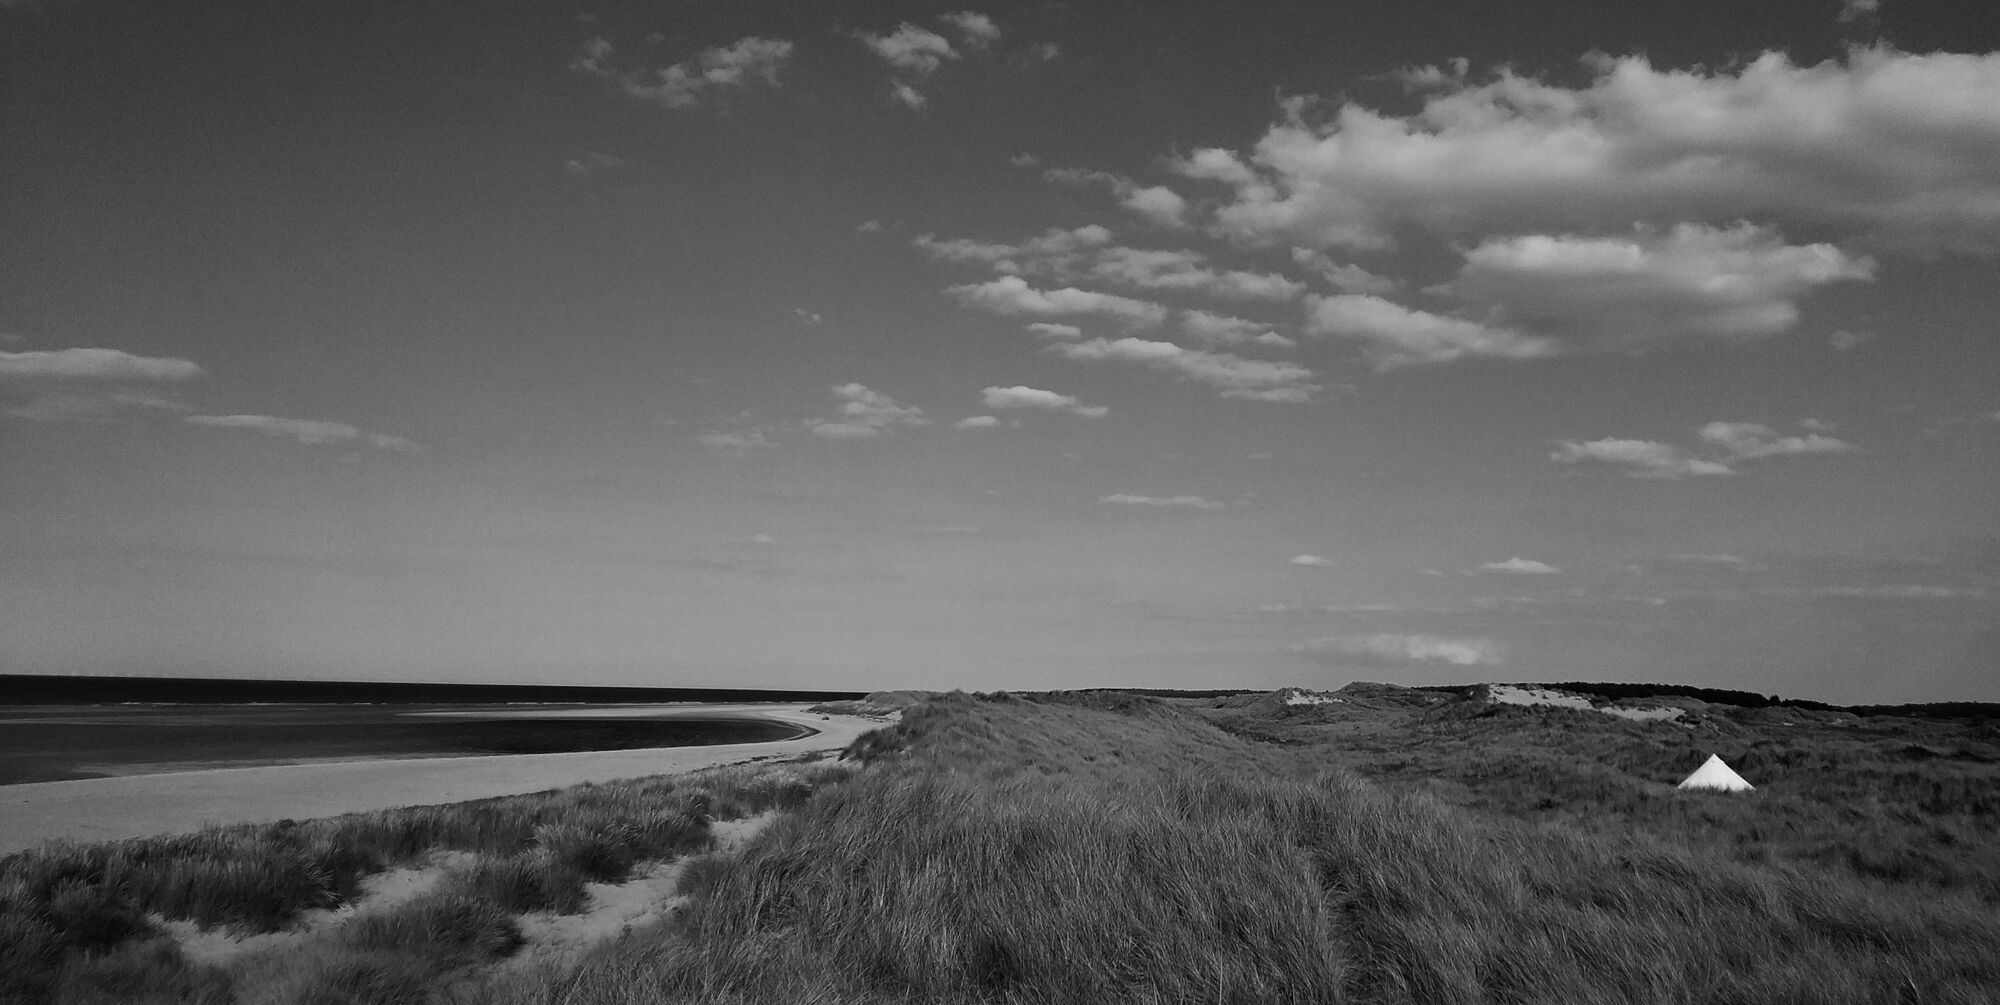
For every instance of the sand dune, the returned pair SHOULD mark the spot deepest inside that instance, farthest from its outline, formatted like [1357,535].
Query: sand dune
[104,809]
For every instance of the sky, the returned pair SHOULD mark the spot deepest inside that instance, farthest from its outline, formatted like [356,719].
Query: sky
[1024,345]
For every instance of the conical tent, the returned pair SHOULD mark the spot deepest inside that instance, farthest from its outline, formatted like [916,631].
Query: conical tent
[1713,774]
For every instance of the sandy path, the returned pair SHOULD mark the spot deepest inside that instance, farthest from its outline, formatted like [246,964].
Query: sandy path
[105,809]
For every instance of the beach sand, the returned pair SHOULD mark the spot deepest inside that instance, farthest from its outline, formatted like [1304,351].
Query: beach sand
[107,809]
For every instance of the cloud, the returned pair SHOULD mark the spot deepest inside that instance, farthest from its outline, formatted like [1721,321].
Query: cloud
[908,96]
[1395,336]
[911,49]
[95,364]
[1640,458]
[1055,251]
[976,422]
[1012,296]
[1312,561]
[88,385]
[733,442]
[1156,204]
[311,432]
[1169,502]
[1726,283]
[1518,566]
[978,30]
[1234,376]
[865,414]
[1047,330]
[739,65]
[1223,331]
[1153,269]
[1855,10]
[1389,650]
[1345,278]
[1752,441]
[807,319]
[1895,146]
[1725,444]
[1036,398]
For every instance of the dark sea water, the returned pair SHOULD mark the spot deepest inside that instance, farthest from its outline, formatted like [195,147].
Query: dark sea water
[53,743]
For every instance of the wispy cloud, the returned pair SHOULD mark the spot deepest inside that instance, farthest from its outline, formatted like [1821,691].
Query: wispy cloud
[1022,397]
[1012,296]
[311,432]
[977,30]
[96,364]
[864,415]
[1312,561]
[976,422]
[740,65]
[1251,379]
[1396,336]
[1723,445]
[1518,566]
[734,442]
[1164,502]
[1392,650]
[1156,204]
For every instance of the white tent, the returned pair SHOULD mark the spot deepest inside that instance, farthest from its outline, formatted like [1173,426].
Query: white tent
[1713,774]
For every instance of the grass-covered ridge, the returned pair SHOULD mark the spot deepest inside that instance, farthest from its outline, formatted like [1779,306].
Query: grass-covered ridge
[1387,848]
[1114,848]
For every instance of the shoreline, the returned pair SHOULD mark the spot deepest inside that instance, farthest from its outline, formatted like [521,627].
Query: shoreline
[135,806]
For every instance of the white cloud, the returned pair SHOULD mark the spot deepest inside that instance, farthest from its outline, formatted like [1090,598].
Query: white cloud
[976,422]
[912,49]
[1221,330]
[1312,561]
[737,66]
[1692,281]
[1518,566]
[806,318]
[978,30]
[865,414]
[311,432]
[1394,335]
[1036,398]
[1891,144]
[1842,340]
[1234,376]
[1047,330]
[1012,296]
[1347,278]
[1156,204]
[1752,441]
[1726,444]
[95,364]
[733,442]
[1640,458]
[1171,502]
[1154,269]
[909,97]
[1855,10]
[1387,650]
[1055,251]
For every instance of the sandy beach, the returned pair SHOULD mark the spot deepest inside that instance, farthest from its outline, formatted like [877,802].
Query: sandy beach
[104,809]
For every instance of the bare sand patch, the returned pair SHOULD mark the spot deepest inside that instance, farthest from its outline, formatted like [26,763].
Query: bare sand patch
[107,809]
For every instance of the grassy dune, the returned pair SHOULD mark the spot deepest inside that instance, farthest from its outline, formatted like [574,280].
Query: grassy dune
[1122,850]
[1106,848]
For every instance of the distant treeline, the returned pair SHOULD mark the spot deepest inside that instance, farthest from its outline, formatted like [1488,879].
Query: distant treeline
[1751,699]
[40,689]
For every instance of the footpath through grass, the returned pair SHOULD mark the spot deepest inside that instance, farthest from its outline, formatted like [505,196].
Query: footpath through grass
[1113,849]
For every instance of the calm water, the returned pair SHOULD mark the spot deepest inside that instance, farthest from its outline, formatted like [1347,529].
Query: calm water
[50,743]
